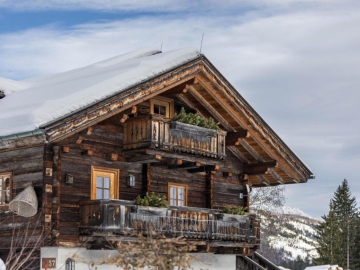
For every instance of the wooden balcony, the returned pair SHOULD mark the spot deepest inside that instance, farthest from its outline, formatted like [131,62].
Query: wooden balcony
[157,132]
[118,218]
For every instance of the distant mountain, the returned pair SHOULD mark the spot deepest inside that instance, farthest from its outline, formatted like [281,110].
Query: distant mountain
[287,233]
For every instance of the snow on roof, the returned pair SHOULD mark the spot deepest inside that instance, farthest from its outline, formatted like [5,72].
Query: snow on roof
[324,267]
[10,86]
[32,103]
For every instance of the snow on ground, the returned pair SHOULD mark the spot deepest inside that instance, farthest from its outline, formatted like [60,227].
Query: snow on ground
[35,102]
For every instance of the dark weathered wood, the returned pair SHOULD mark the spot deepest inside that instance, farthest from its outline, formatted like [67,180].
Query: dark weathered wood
[187,165]
[205,169]
[234,138]
[259,168]
[22,143]
[192,90]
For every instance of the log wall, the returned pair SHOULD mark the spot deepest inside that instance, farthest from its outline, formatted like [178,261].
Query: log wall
[104,140]
[27,168]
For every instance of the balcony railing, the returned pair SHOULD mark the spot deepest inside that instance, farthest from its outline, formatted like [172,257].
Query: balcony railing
[119,217]
[158,132]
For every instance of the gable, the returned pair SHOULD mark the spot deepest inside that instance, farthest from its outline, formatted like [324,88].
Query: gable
[193,81]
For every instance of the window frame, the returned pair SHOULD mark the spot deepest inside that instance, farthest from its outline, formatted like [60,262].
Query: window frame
[4,174]
[114,184]
[177,185]
[163,101]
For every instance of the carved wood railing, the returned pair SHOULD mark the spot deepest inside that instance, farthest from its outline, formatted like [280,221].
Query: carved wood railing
[121,217]
[158,132]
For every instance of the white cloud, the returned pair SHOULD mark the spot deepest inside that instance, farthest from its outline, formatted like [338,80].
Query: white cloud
[298,68]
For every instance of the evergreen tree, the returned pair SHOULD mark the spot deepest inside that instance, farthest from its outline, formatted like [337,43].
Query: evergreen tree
[345,209]
[329,240]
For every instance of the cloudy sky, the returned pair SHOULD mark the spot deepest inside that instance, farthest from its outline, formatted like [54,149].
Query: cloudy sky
[297,62]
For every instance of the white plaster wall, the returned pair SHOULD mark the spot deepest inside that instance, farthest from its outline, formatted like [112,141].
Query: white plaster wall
[90,259]
[210,261]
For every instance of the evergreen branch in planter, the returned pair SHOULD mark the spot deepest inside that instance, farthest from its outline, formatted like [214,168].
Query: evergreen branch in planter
[153,200]
[235,211]
[195,119]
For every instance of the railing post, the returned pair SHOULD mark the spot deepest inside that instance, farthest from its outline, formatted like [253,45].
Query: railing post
[247,229]
[122,217]
[209,229]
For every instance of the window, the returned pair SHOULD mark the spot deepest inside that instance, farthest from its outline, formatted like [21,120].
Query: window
[5,188]
[104,183]
[177,194]
[162,106]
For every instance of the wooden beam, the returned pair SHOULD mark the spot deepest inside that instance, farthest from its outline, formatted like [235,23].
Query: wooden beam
[251,151]
[238,154]
[145,158]
[80,139]
[227,174]
[235,137]
[87,153]
[66,149]
[217,116]
[124,118]
[133,109]
[206,168]
[178,161]
[185,166]
[263,180]
[276,176]
[188,103]
[258,168]
[112,157]
[89,131]
[218,96]
[186,88]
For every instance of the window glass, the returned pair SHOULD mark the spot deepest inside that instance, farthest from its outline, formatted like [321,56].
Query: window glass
[156,109]
[162,110]
[99,182]
[104,183]
[5,188]
[99,194]
[177,194]
[106,194]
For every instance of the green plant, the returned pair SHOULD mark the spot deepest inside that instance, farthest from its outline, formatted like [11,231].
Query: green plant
[235,211]
[195,119]
[152,200]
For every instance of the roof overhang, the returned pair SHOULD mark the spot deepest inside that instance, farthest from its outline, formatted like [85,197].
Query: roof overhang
[253,141]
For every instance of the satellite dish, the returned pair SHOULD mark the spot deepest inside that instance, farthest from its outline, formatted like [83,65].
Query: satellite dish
[25,203]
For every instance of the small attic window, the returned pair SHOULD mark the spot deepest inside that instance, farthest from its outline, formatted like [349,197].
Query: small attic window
[162,106]
[2,94]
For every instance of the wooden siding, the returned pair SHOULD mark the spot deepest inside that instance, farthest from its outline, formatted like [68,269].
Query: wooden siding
[27,167]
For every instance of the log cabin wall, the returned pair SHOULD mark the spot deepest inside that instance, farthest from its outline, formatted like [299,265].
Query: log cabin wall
[95,146]
[27,167]
[196,184]
[228,184]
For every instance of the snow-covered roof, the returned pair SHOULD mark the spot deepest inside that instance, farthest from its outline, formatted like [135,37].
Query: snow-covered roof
[33,103]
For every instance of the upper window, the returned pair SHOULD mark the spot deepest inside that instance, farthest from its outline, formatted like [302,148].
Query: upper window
[177,194]
[104,183]
[162,106]
[5,188]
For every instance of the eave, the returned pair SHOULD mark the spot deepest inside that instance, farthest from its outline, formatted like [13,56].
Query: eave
[211,94]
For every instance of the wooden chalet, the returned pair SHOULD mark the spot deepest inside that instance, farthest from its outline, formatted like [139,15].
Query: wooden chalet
[88,164]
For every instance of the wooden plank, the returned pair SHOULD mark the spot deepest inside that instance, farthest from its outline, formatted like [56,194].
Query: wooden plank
[188,103]
[183,166]
[259,168]
[217,95]
[263,179]
[234,138]
[210,109]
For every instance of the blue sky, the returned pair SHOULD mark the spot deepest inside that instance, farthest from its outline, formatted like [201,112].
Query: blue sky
[296,62]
